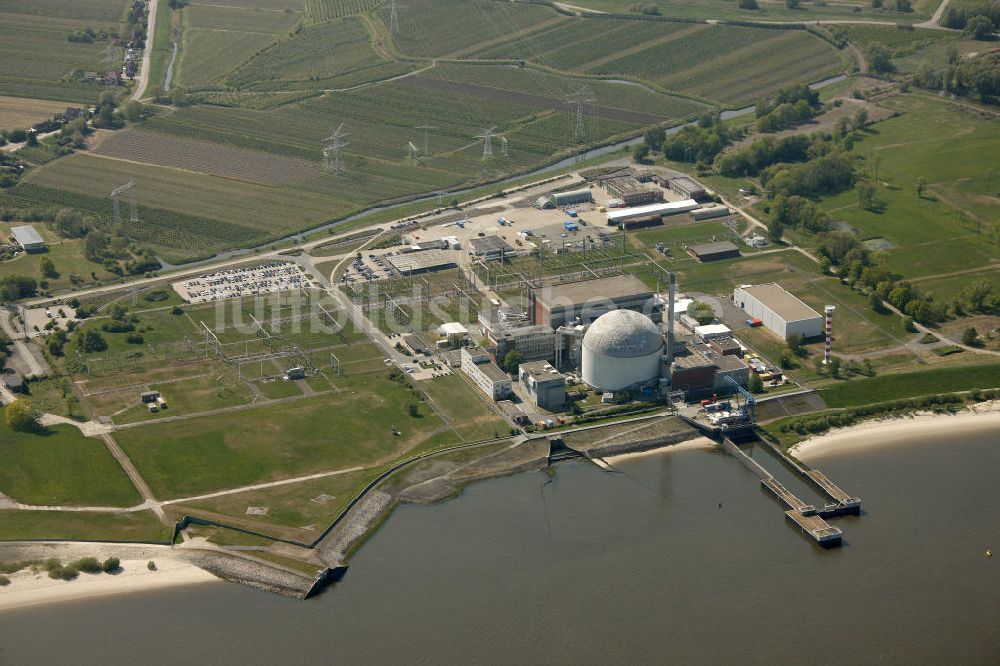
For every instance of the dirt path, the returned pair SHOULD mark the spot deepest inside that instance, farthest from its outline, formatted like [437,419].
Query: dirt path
[979,269]
[262,486]
[133,474]
[935,22]
[147,53]
[642,46]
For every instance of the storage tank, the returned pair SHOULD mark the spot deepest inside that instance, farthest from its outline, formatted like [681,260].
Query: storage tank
[621,348]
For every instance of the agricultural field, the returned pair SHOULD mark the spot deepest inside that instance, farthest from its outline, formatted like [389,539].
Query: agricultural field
[442,28]
[731,65]
[19,113]
[771,10]
[216,39]
[59,466]
[192,195]
[317,57]
[324,10]
[41,29]
[166,150]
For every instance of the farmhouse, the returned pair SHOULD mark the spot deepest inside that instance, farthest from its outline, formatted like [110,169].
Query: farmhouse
[778,310]
[28,238]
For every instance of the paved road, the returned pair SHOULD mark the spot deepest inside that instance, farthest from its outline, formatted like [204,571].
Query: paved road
[142,81]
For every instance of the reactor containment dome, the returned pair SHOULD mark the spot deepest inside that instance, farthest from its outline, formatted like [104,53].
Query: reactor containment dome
[622,348]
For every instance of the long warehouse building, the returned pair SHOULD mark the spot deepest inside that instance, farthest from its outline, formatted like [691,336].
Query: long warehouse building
[778,310]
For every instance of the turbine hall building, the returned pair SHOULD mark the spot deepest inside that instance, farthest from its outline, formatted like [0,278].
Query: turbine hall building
[587,300]
[778,310]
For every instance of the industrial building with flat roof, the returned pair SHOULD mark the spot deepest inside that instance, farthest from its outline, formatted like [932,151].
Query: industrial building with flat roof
[487,375]
[490,247]
[419,262]
[687,187]
[587,300]
[778,310]
[545,386]
[630,191]
[714,251]
[652,213]
[29,239]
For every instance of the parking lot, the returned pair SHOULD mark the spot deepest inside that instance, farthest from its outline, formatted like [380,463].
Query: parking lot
[368,267]
[36,319]
[273,277]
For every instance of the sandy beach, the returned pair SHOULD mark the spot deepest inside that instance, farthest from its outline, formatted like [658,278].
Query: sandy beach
[882,432]
[28,589]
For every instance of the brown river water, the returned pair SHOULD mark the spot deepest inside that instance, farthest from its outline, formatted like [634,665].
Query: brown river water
[640,566]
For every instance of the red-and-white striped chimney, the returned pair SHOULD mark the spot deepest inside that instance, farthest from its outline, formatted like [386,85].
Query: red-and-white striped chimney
[829,333]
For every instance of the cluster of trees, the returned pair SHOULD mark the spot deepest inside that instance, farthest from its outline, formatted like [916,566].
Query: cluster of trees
[982,15]
[795,212]
[113,251]
[10,170]
[14,287]
[979,77]
[751,159]
[91,341]
[108,115]
[902,6]
[21,415]
[648,9]
[827,174]
[747,4]
[700,142]
[879,58]
[787,107]
[87,36]
[867,272]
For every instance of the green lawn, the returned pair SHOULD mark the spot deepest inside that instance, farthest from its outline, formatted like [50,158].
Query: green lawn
[59,466]
[459,403]
[205,454]
[137,526]
[290,506]
[912,384]
[66,254]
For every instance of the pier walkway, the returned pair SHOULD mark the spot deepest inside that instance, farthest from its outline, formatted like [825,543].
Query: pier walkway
[804,515]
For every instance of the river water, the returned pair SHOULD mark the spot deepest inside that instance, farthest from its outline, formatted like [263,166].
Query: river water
[641,566]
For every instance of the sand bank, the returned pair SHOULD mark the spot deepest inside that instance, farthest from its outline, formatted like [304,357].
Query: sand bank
[34,589]
[699,443]
[881,432]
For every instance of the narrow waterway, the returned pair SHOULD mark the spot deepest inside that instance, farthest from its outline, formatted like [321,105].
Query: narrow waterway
[641,566]
[168,80]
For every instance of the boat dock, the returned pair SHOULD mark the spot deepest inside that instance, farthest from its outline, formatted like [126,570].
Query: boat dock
[807,517]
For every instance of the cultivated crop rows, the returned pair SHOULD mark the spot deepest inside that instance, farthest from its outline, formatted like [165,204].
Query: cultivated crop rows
[324,10]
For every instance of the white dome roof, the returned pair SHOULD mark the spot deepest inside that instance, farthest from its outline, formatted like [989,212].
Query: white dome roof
[623,334]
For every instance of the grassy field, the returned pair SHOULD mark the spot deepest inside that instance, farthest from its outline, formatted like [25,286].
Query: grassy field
[948,228]
[138,526]
[67,255]
[205,454]
[912,384]
[59,466]
[296,506]
[460,404]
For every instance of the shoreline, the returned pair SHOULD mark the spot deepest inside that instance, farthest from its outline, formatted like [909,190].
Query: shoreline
[888,431]
[28,589]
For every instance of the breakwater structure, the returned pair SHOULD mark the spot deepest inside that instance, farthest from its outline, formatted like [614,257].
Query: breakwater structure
[809,518]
